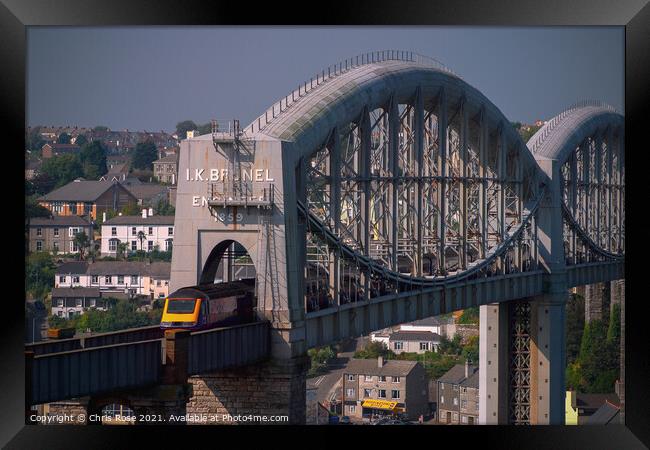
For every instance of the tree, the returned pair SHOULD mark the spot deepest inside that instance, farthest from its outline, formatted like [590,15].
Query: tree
[39,274]
[130,209]
[141,237]
[100,128]
[81,140]
[470,350]
[93,158]
[82,242]
[575,324]
[206,128]
[42,183]
[144,155]
[33,209]
[122,247]
[33,140]
[64,138]
[469,316]
[164,208]
[183,127]
[373,350]
[63,169]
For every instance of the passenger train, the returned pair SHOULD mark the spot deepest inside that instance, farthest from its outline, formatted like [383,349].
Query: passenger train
[210,305]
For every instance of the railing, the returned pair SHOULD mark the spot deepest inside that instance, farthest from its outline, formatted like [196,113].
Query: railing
[96,340]
[550,126]
[223,194]
[340,68]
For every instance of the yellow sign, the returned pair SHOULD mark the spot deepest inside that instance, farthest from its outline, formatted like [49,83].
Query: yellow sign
[379,404]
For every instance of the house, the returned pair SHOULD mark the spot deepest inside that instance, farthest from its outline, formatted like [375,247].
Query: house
[372,388]
[147,194]
[50,150]
[166,169]
[458,395]
[608,413]
[433,324]
[69,302]
[87,198]
[158,232]
[57,233]
[119,279]
[414,342]
[117,160]
[117,172]
[588,404]
[32,168]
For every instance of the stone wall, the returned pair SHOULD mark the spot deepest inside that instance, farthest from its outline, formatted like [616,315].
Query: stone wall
[266,389]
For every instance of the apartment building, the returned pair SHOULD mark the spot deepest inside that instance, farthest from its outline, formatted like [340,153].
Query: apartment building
[69,302]
[414,342]
[458,395]
[158,232]
[56,234]
[374,388]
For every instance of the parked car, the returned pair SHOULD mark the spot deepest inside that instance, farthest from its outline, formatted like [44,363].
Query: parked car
[334,420]
[345,420]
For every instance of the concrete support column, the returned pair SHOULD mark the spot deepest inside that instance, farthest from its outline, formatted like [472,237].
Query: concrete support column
[493,364]
[548,359]
[595,302]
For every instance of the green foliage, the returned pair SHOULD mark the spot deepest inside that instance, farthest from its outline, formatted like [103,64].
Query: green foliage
[597,366]
[527,134]
[39,274]
[131,209]
[120,315]
[144,155]
[469,317]
[164,208]
[100,128]
[183,127]
[319,358]
[81,140]
[64,138]
[451,347]
[63,169]
[470,350]
[42,183]
[516,125]
[33,140]
[33,209]
[575,324]
[206,128]
[82,242]
[93,159]
[373,350]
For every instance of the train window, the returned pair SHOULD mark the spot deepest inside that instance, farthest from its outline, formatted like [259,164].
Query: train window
[181,306]
[204,311]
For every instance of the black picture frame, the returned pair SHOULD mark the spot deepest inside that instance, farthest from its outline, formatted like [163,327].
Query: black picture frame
[16,15]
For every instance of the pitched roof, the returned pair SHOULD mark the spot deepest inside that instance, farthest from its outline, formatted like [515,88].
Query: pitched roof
[145,191]
[391,367]
[156,269]
[139,220]
[59,221]
[428,322]
[80,191]
[76,267]
[456,375]
[604,415]
[594,401]
[414,336]
[472,381]
[167,159]
[75,292]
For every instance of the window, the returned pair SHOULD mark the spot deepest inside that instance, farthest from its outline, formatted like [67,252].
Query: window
[349,377]
[464,390]
[168,245]
[93,302]
[394,393]
[150,246]
[134,245]
[60,313]
[368,377]
[39,246]
[455,401]
[455,386]
[396,379]
[477,404]
[112,245]
[382,378]
[134,279]
[463,419]
[39,231]
[95,279]
[382,393]
[367,392]
[61,278]
[59,302]
[73,247]
[442,399]
[55,245]
[120,279]
[455,416]
[463,404]
[56,232]
[113,231]
[75,279]
[133,231]
[78,302]
[424,346]
[352,409]
[398,345]
[72,231]
[150,231]
[349,392]
[170,231]
[108,279]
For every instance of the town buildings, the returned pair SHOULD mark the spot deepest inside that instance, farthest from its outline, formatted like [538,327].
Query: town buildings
[69,302]
[458,395]
[119,279]
[87,198]
[51,150]
[414,342]
[57,233]
[158,232]
[377,388]
[165,169]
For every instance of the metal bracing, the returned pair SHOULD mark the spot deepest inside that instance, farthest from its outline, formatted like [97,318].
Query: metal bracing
[413,194]
[519,379]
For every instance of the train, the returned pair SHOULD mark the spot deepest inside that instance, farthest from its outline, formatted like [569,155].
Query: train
[210,305]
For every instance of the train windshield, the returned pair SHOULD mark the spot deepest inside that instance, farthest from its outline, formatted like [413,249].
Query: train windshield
[181,305]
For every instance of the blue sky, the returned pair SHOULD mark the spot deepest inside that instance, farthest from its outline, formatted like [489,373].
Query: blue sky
[150,78]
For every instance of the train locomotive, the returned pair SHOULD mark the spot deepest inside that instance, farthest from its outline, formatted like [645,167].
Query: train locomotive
[210,305]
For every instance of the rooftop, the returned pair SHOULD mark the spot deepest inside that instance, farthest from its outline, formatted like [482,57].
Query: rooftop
[456,375]
[167,159]
[157,269]
[76,292]
[429,322]
[58,221]
[139,220]
[391,367]
[414,336]
[79,190]
[604,415]
[145,191]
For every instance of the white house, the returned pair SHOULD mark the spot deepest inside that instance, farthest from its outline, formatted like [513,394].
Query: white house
[430,324]
[158,232]
[116,278]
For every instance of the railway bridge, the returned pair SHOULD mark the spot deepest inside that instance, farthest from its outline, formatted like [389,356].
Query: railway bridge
[387,189]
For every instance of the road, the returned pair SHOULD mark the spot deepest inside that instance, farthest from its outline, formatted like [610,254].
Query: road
[35,323]
[326,383]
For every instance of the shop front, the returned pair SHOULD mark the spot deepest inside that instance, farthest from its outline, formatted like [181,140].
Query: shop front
[377,409]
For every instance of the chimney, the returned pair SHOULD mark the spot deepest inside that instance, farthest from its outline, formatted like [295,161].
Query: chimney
[104,216]
[144,213]
[150,212]
[380,361]
[466,368]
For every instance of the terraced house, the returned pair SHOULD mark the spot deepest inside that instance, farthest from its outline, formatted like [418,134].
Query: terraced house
[56,234]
